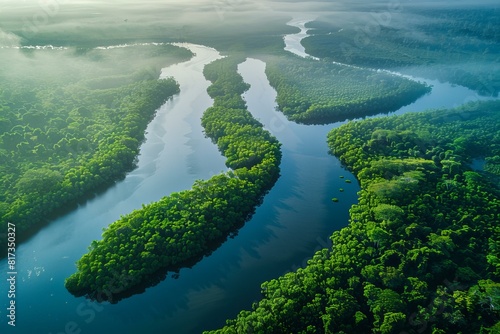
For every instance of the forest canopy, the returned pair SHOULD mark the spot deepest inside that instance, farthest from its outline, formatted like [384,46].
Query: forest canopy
[421,251]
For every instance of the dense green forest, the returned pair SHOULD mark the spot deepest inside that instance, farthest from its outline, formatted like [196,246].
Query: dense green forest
[184,226]
[72,123]
[320,92]
[421,251]
[459,45]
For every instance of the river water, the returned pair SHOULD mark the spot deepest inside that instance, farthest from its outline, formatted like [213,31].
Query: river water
[294,220]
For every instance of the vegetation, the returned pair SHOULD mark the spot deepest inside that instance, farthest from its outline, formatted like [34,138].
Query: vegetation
[62,139]
[184,226]
[459,45]
[315,92]
[421,251]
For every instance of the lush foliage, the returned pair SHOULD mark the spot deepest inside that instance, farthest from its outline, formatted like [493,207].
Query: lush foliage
[184,226]
[315,92]
[421,252]
[63,137]
[452,44]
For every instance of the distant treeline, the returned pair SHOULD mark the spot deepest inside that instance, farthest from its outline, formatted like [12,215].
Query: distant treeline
[421,253]
[320,92]
[186,225]
[459,45]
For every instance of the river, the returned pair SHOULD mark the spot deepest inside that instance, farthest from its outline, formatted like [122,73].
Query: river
[294,220]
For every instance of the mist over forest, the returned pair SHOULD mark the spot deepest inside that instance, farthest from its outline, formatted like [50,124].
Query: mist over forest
[236,25]
[32,20]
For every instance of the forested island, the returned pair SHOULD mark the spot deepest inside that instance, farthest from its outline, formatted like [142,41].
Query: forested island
[183,226]
[321,92]
[63,140]
[421,251]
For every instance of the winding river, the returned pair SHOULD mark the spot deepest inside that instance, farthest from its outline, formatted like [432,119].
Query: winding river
[294,220]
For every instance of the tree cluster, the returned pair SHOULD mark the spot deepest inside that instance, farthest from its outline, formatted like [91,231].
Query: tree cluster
[421,251]
[320,92]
